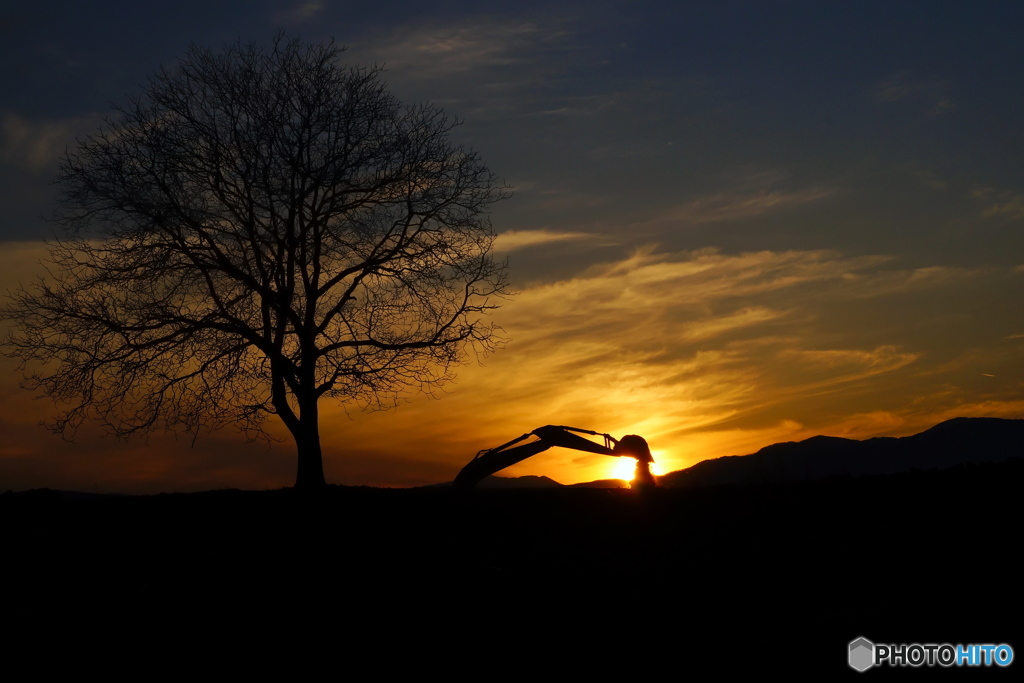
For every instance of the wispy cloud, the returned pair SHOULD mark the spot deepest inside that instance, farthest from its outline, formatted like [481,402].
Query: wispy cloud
[568,199]
[747,192]
[441,51]
[905,85]
[34,145]
[521,239]
[303,11]
[895,87]
[715,326]
[491,67]
[1004,204]
[847,365]
[728,206]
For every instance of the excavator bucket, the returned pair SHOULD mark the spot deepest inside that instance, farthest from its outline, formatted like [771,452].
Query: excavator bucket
[634,446]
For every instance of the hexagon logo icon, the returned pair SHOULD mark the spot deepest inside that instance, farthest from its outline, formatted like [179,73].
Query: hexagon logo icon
[862,654]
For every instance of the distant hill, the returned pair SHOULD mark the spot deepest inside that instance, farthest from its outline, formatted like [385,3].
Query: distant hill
[526,482]
[602,484]
[956,441]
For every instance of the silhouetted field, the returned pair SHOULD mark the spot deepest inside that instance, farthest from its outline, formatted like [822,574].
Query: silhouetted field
[744,573]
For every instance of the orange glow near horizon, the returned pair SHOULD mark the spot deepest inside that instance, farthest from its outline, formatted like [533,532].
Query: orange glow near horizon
[692,386]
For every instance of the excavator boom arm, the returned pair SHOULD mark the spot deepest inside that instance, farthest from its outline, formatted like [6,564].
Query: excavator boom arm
[489,461]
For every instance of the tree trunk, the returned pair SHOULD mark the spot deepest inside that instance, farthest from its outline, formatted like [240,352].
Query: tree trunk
[304,424]
[311,464]
[307,439]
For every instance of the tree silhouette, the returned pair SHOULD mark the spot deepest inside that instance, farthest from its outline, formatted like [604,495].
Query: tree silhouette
[260,229]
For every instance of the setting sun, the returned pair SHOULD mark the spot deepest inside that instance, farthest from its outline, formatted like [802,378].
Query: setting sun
[623,468]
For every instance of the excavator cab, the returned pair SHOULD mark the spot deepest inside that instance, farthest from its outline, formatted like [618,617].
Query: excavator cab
[492,460]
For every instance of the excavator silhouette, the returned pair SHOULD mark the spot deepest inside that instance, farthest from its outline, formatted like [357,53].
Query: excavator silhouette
[492,460]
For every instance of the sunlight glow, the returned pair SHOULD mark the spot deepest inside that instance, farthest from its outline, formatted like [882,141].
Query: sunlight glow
[622,468]
[659,467]
[625,468]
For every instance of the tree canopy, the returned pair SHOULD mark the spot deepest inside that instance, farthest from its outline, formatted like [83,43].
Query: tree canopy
[260,229]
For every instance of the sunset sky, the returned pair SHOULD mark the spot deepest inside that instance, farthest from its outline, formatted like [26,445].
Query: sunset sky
[733,223]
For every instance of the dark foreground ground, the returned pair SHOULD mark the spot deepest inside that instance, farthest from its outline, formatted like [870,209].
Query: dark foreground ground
[780,578]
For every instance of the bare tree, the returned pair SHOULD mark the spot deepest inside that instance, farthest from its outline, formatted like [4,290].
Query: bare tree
[260,229]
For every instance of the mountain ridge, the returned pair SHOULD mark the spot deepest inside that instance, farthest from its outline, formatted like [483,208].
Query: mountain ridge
[959,440]
[956,441]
